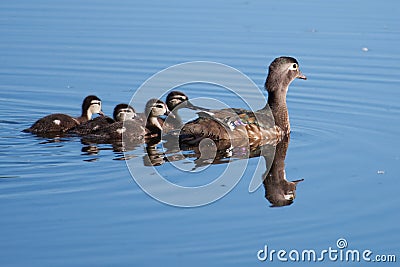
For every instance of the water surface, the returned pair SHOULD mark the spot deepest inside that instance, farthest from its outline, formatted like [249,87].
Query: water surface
[63,206]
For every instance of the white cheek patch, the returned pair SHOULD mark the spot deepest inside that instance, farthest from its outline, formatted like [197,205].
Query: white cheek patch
[57,122]
[95,106]
[121,130]
[126,111]
[289,196]
[178,99]
[293,66]
[158,110]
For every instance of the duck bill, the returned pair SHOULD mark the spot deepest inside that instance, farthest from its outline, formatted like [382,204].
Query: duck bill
[193,107]
[301,76]
[101,113]
[298,181]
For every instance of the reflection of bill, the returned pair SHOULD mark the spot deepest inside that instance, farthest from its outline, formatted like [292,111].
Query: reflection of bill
[278,190]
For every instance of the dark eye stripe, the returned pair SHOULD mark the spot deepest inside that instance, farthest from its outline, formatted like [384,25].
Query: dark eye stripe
[181,98]
[125,110]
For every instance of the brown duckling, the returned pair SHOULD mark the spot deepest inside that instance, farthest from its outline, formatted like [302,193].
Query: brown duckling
[121,112]
[175,101]
[61,123]
[240,123]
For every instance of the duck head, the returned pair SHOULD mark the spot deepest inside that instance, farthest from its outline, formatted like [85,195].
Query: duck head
[155,108]
[176,99]
[282,71]
[91,105]
[123,112]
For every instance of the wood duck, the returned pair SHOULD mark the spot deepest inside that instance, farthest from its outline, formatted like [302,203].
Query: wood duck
[154,109]
[240,123]
[61,123]
[175,101]
[121,112]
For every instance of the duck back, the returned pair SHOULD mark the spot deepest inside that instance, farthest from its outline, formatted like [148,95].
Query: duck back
[54,123]
[91,125]
[230,124]
[130,130]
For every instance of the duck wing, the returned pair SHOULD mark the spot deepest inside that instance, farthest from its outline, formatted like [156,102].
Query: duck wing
[231,123]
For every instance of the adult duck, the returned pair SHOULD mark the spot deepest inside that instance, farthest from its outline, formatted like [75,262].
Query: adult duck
[271,122]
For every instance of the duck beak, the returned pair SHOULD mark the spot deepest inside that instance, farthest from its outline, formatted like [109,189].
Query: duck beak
[193,107]
[298,181]
[301,76]
[190,105]
[101,113]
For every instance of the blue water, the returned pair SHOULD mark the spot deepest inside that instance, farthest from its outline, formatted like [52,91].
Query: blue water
[62,206]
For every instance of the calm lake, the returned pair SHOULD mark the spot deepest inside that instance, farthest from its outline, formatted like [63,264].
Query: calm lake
[64,202]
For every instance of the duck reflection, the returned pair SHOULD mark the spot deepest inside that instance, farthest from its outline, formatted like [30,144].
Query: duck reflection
[153,157]
[278,190]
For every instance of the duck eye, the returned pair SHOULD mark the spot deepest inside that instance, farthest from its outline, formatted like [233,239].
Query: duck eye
[293,67]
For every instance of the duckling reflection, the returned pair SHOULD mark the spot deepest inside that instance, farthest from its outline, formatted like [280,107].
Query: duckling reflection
[156,156]
[278,190]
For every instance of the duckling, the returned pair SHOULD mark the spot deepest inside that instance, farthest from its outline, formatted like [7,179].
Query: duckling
[154,109]
[240,123]
[175,101]
[61,123]
[121,112]
[134,128]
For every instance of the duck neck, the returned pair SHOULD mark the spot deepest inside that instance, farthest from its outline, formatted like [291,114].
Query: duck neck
[277,103]
[153,125]
[88,115]
[176,121]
